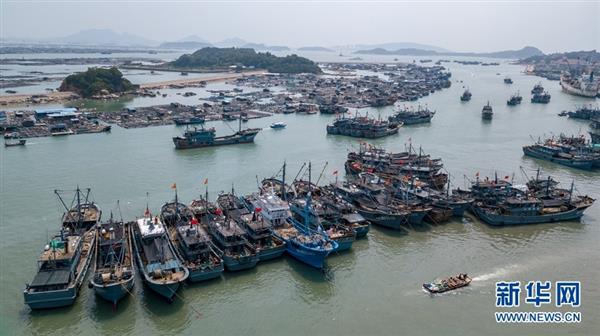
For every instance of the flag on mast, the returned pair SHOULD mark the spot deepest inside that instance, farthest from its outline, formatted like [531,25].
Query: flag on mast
[206,181]
[174,186]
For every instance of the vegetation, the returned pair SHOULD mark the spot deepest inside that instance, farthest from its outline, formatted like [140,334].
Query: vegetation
[97,81]
[245,57]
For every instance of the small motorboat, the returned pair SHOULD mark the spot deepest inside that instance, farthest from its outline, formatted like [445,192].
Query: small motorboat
[448,284]
[277,125]
[14,142]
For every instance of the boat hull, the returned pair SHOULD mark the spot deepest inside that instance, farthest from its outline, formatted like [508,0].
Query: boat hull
[206,274]
[271,253]
[389,221]
[51,299]
[311,257]
[362,230]
[344,244]
[500,220]
[114,292]
[182,143]
[166,290]
[233,264]
[579,164]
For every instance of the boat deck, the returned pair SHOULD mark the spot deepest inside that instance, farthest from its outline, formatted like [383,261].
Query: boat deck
[63,253]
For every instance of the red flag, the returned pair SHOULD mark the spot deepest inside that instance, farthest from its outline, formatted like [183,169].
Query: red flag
[257,210]
[218,211]
[506,177]
[477,174]
[194,221]
[206,181]
[147,212]
[335,172]
[174,186]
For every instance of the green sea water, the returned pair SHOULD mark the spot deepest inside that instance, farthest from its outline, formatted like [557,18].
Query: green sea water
[373,289]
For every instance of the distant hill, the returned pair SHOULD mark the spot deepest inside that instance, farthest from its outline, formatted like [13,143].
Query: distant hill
[591,56]
[406,51]
[185,45]
[104,37]
[316,49]
[264,47]
[231,42]
[513,54]
[218,58]
[397,45]
[193,38]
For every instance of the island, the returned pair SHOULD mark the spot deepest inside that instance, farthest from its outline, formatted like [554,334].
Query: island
[97,81]
[244,58]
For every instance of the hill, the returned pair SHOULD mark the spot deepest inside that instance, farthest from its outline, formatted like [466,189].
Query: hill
[512,54]
[186,45]
[315,49]
[105,37]
[219,58]
[97,81]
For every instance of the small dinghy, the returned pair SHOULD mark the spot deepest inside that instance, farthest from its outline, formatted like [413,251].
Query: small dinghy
[448,284]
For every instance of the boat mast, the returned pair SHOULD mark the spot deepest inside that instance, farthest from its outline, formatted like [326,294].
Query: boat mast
[283,196]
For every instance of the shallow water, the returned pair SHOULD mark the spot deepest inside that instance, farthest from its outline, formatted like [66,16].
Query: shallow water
[373,289]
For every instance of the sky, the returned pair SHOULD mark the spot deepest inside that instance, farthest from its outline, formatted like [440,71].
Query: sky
[478,26]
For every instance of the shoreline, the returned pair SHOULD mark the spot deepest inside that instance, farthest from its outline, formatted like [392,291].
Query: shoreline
[60,97]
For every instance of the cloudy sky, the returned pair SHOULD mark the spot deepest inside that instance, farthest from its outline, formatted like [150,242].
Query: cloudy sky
[455,25]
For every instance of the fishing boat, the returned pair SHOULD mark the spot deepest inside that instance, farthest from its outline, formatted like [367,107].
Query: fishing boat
[553,153]
[537,89]
[541,98]
[62,267]
[191,242]
[82,214]
[231,205]
[308,246]
[486,112]
[260,235]
[362,127]
[278,125]
[520,211]
[14,142]
[407,116]
[466,96]
[595,131]
[508,80]
[585,112]
[230,239]
[161,268]
[448,284]
[347,214]
[114,275]
[197,138]
[514,100]
[189,121]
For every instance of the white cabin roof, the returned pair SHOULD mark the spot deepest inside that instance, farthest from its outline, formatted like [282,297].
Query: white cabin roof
[150,226]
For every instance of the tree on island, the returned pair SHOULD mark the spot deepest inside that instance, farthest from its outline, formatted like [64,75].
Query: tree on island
[96,81]
[219,58]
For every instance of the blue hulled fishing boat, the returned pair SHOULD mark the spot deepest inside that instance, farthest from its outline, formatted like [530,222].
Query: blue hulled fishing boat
[64,263]
[550,152]
[160,266]
[308,246]
[114,274]
[62,268]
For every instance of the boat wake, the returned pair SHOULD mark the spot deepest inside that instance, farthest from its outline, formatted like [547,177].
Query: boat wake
[498,273]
